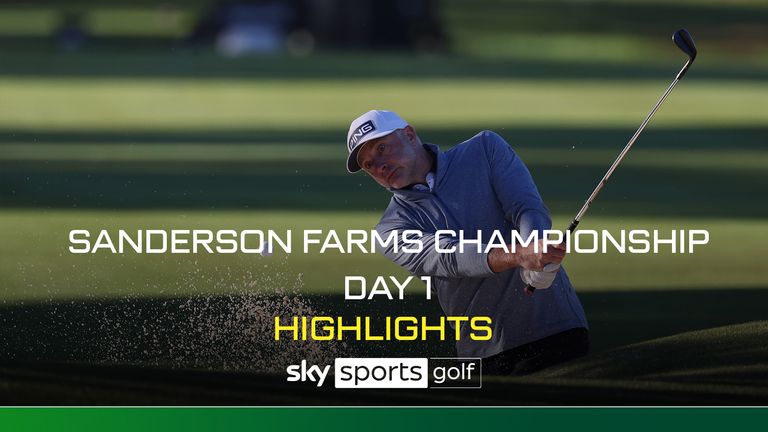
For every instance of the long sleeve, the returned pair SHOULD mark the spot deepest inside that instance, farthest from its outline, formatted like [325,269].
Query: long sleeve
[514,187]
[429,262]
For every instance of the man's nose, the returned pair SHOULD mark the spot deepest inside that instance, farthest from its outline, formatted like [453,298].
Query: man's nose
[381,167]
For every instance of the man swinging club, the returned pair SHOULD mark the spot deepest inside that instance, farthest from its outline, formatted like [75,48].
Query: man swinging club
[479,184]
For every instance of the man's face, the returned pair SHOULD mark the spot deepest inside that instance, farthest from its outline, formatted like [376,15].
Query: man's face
[395,160]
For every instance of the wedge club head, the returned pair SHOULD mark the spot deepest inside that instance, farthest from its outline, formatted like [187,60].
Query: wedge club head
[684,41]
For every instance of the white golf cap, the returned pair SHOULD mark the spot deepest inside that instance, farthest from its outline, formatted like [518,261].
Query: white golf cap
[371,125]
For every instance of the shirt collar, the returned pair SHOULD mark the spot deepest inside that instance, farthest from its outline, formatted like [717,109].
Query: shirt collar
[433,177]
[429,186]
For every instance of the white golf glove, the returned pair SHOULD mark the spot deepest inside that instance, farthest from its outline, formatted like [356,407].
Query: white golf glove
[542,279]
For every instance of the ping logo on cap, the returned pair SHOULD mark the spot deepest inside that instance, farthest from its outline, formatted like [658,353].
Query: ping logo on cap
[363,130]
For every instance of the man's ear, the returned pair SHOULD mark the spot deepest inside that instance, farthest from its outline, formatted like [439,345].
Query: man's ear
[410,132]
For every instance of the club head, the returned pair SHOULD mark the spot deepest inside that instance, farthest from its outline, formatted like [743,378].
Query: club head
[684,41]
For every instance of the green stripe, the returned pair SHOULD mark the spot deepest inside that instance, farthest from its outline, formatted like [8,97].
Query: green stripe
[381,419]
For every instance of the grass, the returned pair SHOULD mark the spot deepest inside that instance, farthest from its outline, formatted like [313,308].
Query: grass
[43,104]
[709,159]
[269,155]
[98,21]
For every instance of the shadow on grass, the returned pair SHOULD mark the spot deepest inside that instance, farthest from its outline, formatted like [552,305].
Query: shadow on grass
[642,18]
[693,138]
[305,184]
[32,58]
[633,191]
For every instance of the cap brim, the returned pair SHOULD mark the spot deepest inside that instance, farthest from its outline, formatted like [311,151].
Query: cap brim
[352,165]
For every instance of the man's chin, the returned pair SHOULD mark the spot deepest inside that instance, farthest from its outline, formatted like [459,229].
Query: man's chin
[395,182]
[398,184]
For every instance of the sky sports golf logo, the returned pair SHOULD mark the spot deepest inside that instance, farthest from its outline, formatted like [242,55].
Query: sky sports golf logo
[394,373]
[363,130]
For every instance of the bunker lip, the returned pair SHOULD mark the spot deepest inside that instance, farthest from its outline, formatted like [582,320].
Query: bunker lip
[86,384]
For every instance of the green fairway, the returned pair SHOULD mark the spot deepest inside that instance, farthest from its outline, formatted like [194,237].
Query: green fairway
[269,156]
[150,105]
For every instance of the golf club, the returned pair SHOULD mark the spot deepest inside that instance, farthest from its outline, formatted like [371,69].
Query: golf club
[684,41]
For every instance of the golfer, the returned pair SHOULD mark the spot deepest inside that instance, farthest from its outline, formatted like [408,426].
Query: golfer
[482,185]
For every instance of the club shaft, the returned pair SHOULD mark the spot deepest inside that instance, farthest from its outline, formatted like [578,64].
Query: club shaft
[572,227]
[624,152]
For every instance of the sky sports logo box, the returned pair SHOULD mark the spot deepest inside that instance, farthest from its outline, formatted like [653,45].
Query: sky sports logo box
[393,373]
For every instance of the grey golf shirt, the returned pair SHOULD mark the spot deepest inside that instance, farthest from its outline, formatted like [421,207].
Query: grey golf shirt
[482,185]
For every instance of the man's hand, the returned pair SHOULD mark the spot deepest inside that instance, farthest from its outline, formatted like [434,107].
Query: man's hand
[529,259]
[526,257]
[542,279]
